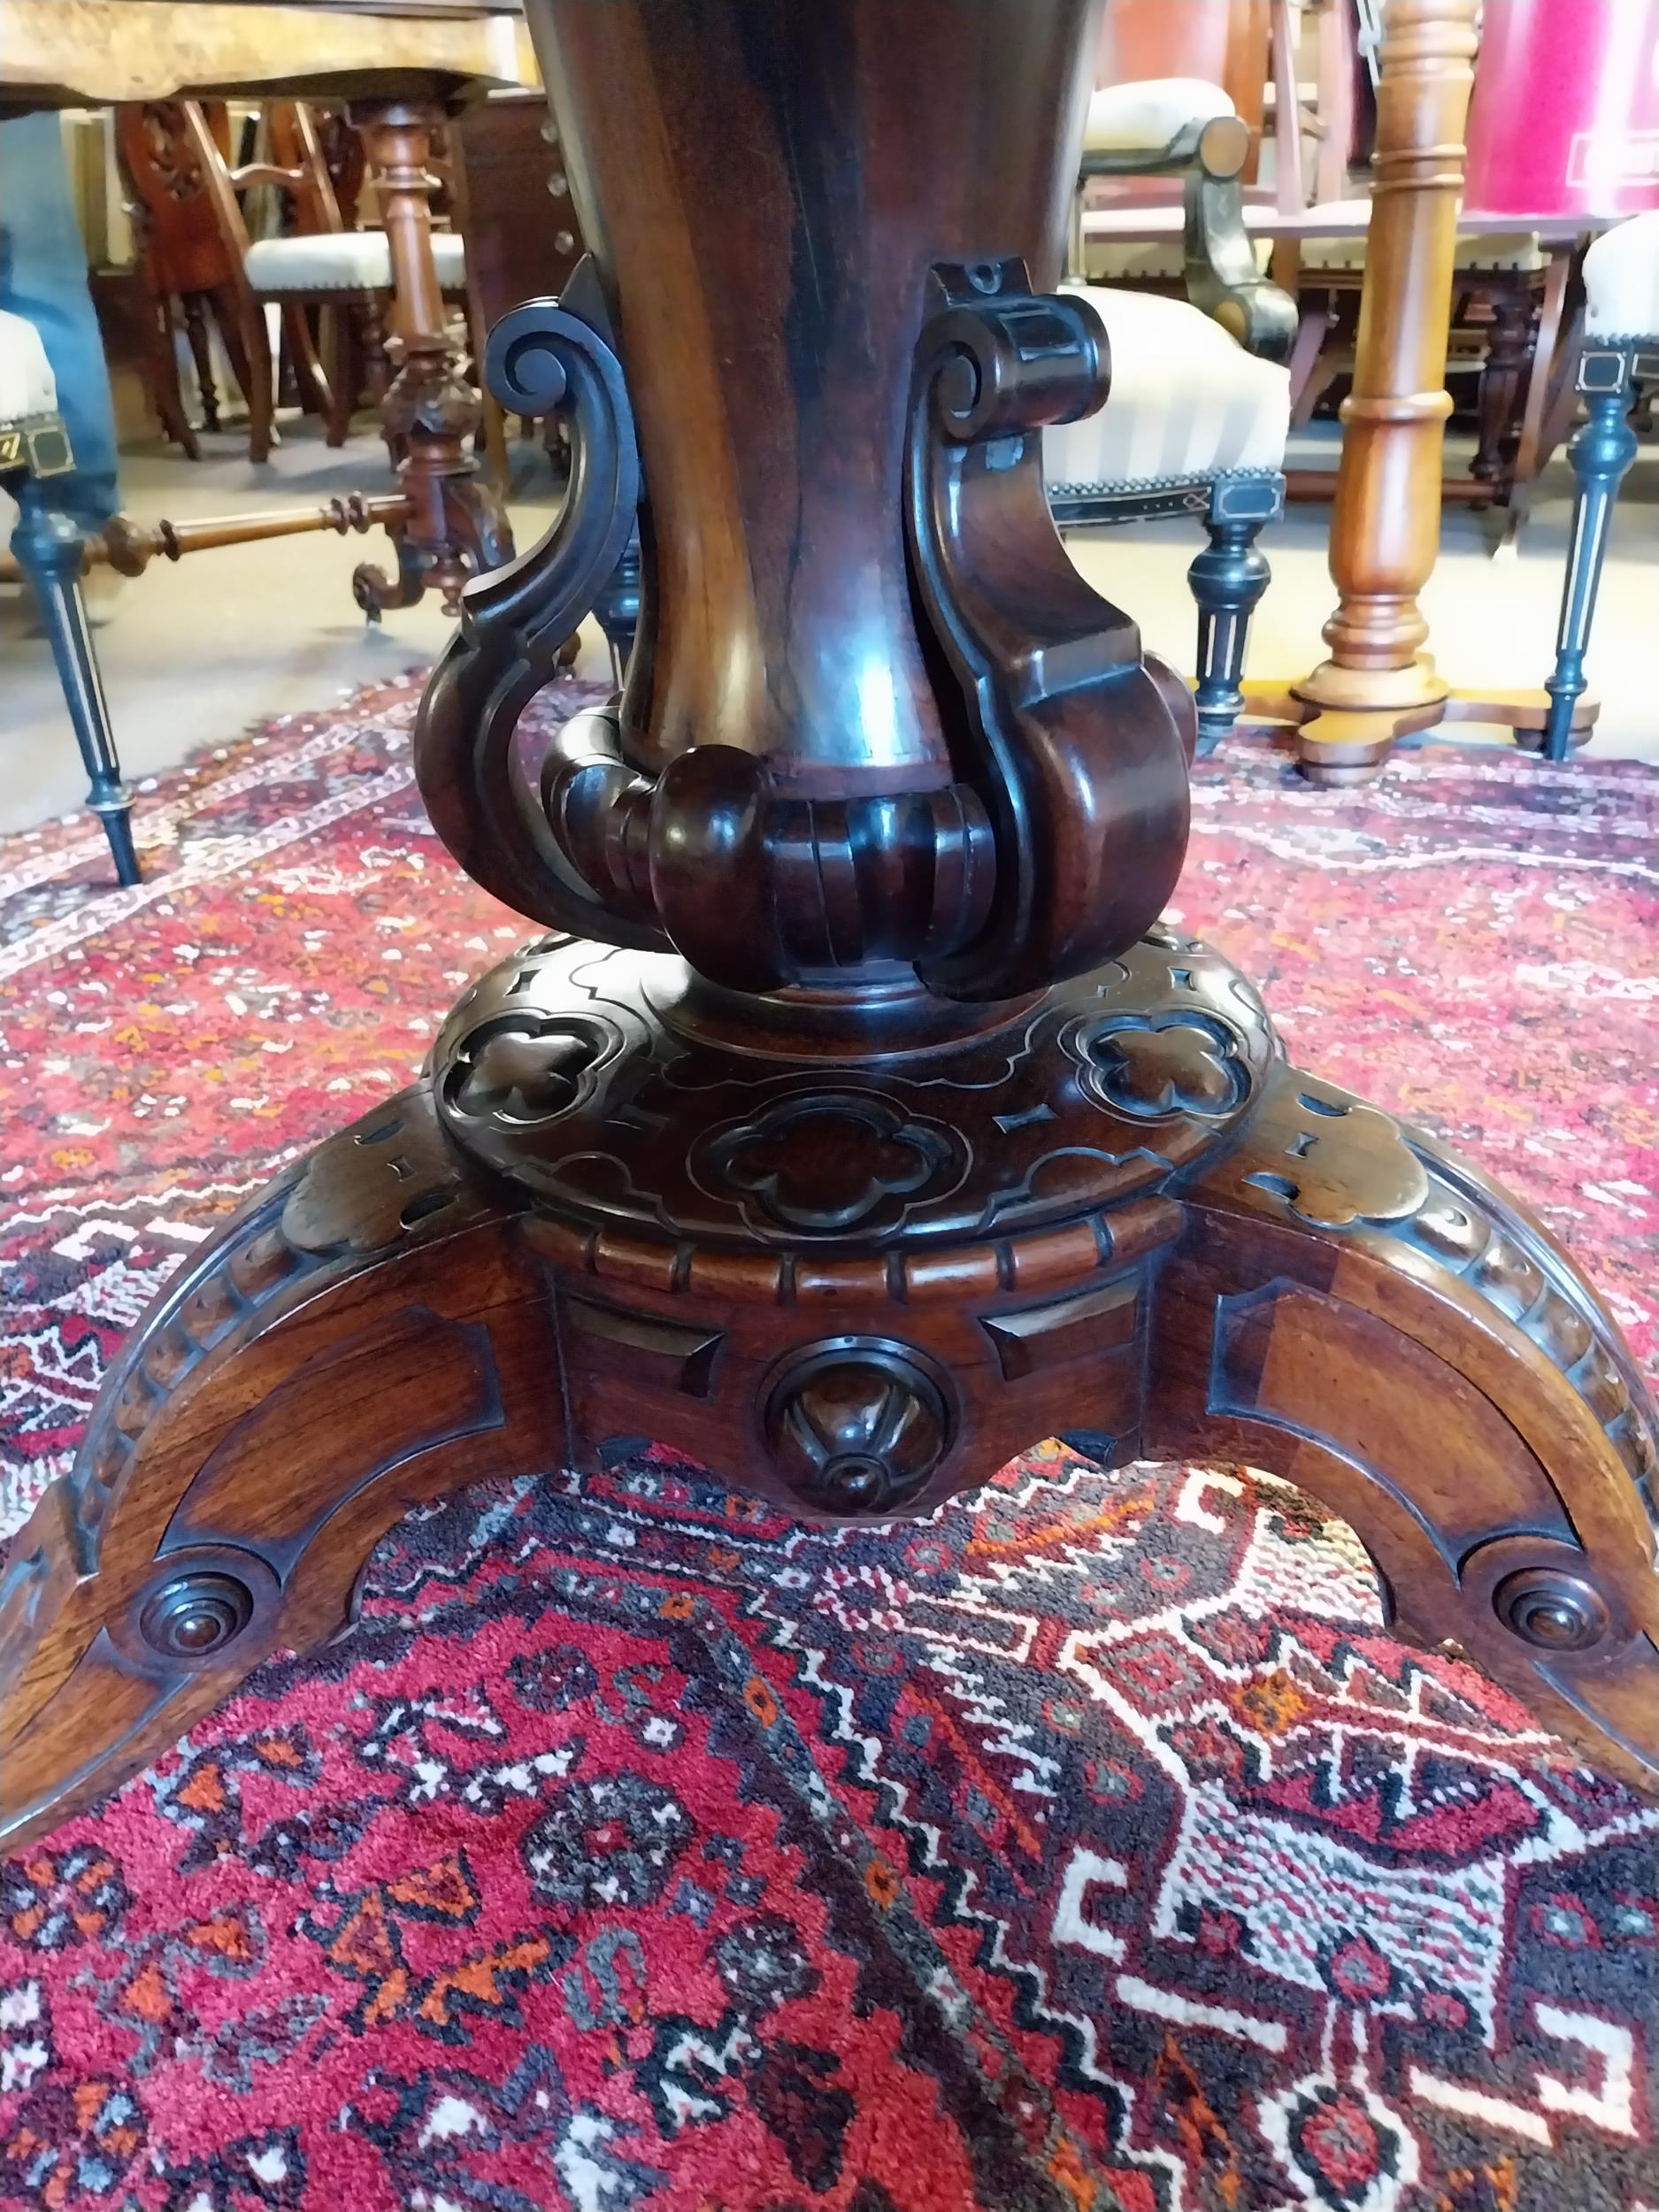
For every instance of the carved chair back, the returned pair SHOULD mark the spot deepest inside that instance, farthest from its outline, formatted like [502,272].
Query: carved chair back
[171,153]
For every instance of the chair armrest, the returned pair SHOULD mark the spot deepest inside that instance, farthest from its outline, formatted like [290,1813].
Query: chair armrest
[259,173]
[1183,126]
[1219,268]
[1154,129]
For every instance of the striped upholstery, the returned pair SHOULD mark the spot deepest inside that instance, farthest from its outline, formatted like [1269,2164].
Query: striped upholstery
[1621,281]
[26,387]
[1188,404]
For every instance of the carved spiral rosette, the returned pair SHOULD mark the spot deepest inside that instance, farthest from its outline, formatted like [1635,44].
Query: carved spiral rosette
[196,1606]
[857,1426]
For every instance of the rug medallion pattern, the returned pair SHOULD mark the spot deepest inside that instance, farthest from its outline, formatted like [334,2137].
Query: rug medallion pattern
[1090,1845]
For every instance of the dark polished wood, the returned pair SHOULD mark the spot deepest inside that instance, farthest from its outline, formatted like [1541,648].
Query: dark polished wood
[870,1126]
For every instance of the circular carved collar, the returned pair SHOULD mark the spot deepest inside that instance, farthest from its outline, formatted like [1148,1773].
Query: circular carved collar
[580,1073]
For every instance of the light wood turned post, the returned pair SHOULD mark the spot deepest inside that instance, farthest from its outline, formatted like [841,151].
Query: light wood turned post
[1385,532]
[455,527]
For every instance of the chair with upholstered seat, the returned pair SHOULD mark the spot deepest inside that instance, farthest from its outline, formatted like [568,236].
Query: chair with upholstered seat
[1500,273]
[33,450]
[1200,402]
[179,170]
[1621,351]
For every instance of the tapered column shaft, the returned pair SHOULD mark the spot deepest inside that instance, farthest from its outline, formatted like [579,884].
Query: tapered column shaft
[1385,532]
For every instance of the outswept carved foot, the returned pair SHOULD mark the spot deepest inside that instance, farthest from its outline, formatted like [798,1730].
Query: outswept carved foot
[472,537]
[857,1279]
[1368,1315]
[360,1338]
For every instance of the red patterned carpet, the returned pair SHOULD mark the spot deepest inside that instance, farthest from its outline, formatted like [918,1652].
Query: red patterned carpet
[1088,1846]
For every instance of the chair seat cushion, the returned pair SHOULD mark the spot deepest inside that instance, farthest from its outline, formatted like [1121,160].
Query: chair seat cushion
[343,261]
[1149,250]
[1143,118]
[26,384]
[1621,280]
[1188,404]
[1515,251]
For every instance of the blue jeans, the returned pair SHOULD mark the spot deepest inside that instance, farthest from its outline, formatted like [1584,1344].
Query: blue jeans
[44,277]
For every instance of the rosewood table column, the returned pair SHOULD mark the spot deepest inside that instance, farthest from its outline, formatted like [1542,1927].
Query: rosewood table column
[857,1122]
[456,526]
[1378,683]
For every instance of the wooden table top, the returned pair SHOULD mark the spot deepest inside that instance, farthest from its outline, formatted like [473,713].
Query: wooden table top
[75,53]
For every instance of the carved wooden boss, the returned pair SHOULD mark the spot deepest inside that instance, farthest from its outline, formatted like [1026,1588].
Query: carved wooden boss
[859,1123]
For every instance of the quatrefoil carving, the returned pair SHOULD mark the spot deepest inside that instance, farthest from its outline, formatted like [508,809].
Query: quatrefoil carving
[531,1069]
[1153,1065]
[829,1162]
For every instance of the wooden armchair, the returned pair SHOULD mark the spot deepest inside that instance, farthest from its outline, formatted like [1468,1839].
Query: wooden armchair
[1182,126]
[1197,415]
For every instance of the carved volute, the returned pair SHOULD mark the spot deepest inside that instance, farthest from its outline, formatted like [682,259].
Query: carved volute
[875,720]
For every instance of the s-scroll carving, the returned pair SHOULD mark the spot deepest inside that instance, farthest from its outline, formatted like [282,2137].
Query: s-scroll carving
[548,356]
[1076,745]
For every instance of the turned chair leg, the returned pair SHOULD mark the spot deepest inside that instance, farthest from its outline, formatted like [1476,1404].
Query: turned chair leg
[248,343]
[1227,579]
[1601,454]
[195,309]
[617,612]
[48,546]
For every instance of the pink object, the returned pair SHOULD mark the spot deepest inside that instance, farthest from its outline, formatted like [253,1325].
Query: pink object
[1565,114]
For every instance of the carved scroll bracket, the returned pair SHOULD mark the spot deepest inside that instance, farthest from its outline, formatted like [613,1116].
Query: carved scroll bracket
[1059,837]
[1075,746]
[546,356]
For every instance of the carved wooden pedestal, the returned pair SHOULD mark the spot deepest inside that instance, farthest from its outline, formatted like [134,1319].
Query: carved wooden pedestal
[859,1125]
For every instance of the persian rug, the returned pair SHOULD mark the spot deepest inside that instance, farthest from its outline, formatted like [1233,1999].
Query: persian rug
[1088,1846]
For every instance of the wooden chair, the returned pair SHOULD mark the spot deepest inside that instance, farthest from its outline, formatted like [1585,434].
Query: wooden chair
[182,175]
[1501,274]
[503,144]
[48,543]
[181,255]
[1200,403]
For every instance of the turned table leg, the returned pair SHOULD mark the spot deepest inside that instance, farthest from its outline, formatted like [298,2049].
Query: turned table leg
[1507,354]
[1378,683]
[457,527]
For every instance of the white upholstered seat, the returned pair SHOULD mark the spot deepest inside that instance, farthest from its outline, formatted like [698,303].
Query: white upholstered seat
[1517,250]
[1621,281]
[343,261]
[26,385]
[1188,404]
[1128,240]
